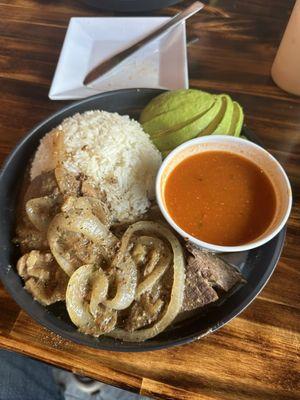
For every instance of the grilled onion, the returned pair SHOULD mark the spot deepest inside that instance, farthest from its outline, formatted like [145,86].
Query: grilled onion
[84,223]
[90,317]
[177,291]
[157,265]
[39,211]
[88,204]
[126,279]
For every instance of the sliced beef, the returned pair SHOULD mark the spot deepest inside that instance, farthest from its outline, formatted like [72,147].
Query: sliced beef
[89,190]
[29,237]
[154,214]
[69,184]
[143,313]
[215,270]
[43,277]
[198,292]
[41,186]
[206,276]
[79,250]
[150,306]
[146,310]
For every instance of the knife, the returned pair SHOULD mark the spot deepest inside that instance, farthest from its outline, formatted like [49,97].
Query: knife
[113,61]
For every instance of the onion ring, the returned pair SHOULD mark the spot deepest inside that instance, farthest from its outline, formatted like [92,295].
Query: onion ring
[177,291]
[91,318]
[88,204]
[38,211]
[126,277]
[86,224]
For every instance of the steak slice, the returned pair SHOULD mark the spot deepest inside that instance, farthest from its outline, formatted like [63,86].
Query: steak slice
[43,277]
[28,237]
[206,276]
[41,186]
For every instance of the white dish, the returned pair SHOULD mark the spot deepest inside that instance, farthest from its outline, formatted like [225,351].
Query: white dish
[242,147]
[160,64]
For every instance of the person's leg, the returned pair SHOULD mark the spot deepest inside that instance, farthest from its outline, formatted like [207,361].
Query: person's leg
[22,378]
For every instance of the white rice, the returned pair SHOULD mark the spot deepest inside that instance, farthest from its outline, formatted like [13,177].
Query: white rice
[114,153]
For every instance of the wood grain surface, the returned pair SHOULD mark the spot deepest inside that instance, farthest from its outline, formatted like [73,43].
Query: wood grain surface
[256,356]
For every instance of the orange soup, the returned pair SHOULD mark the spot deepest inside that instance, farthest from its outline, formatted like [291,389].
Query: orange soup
[220,198]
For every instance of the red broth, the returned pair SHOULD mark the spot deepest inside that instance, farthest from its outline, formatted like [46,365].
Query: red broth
[220,198]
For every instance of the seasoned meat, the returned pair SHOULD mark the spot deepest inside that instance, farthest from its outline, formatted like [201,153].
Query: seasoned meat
[79,250]
[76,236]
[45,195]
[146,310]
[69,184]
[29,238]
[198,292]
[43,278]
[143,313]
[90,190]
[154,214]
[41,186]
[44,186]
[206,274]
[40,203]
[89,204]
[153,259]
[216,271]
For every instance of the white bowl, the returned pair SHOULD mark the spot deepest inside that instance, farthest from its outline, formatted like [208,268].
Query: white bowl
[242,147]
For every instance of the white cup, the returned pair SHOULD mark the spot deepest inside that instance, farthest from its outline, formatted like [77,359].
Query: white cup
[252,152]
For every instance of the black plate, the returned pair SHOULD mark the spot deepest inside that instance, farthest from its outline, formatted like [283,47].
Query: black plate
[256,265]
[130,5]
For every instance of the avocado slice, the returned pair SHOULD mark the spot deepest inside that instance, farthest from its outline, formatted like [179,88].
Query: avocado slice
[165,153]
[210,129]
[174,100]
[237,119]
[179,117]
[224,127]
[173,138]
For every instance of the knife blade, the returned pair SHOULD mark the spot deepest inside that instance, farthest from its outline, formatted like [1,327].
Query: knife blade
[115,60]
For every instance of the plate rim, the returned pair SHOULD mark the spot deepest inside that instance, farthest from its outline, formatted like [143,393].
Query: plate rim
[121,346]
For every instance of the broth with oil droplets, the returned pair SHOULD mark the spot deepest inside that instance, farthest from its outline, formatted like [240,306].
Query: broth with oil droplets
[220,198]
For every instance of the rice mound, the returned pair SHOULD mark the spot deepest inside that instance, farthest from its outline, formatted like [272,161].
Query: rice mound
[113,152]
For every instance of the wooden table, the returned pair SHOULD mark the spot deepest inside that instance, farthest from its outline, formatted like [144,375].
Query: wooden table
[256,356]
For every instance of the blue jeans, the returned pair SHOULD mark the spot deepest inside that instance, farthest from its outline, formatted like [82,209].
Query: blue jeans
[23,378]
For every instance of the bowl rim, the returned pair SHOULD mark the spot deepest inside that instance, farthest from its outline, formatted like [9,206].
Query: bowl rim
[210,246]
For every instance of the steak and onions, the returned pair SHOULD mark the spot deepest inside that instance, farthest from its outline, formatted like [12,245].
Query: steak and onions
[90,235]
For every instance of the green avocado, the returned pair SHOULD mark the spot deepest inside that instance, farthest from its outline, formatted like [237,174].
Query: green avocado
[169,140]
[165,153]
[224,127]
[237,119]
[178,117]
[214,123]
[175,101]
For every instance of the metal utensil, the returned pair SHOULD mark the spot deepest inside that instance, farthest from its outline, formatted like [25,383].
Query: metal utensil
[110,63]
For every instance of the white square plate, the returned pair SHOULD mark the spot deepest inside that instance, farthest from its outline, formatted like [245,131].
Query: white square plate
[160,64]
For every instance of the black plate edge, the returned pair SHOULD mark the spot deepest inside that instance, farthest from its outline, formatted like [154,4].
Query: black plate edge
[148,345]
